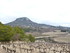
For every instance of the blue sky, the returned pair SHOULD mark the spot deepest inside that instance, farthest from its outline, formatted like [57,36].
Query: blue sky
[54,12]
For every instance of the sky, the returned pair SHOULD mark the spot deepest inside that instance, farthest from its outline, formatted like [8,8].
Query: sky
[53,12]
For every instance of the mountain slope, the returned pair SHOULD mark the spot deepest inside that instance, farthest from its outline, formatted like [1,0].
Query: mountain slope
[24,21]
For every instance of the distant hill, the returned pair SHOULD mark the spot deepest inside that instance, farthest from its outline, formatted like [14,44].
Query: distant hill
[25,22]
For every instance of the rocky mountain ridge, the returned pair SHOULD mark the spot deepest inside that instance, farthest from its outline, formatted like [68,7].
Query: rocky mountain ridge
[25,22]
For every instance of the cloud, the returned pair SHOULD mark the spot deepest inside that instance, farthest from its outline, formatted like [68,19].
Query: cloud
[41,11]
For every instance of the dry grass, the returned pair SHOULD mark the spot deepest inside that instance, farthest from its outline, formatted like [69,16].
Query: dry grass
[53,34]
[63,39]
[59,36]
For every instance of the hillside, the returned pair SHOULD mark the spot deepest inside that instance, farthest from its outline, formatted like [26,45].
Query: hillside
[25,22]
[47,32]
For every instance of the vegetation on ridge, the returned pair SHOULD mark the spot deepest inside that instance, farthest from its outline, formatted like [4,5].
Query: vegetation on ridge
[8,33]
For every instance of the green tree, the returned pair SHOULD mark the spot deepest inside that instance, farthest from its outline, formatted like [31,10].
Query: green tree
[18,33]
[8,33]
[5,33]
[31,38]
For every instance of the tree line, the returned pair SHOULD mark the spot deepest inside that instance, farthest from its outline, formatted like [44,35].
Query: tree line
[8,33]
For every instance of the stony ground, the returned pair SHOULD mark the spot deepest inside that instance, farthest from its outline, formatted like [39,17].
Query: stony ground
[2,50]
[38,47]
